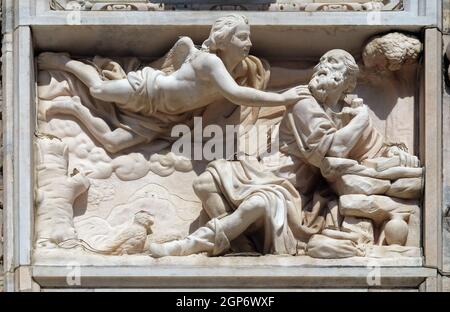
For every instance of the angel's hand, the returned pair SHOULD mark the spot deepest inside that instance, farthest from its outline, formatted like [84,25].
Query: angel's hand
[293,95]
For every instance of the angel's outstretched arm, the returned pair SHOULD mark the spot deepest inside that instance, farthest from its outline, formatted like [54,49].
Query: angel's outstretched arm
[243,95]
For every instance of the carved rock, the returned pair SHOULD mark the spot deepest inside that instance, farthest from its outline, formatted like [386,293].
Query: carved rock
[353,184]
[411,188]
[375,207]
[1,239]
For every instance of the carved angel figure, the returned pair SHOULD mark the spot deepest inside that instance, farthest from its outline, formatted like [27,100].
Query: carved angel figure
[190,79]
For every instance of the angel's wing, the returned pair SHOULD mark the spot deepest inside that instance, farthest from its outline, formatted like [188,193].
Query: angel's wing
[179,53]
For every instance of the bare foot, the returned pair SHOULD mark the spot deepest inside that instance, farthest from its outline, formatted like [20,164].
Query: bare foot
[172,248]
[51,60]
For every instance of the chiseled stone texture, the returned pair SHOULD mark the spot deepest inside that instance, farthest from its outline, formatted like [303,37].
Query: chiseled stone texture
[446,15]
[1,203]
[1,199]
[445,284]
[1,251]
[258,5]
[446,155]
[1,174]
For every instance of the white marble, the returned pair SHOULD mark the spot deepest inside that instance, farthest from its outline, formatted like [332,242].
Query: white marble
[113,120]
[162,171]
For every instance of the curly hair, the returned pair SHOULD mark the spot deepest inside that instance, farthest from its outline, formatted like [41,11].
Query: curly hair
[396,48]
[222,29]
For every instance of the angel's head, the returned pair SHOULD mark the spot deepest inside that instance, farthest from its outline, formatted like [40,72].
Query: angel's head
[230,35]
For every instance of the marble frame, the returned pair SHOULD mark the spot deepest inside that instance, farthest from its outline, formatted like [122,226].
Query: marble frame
[19,115]
[257,5]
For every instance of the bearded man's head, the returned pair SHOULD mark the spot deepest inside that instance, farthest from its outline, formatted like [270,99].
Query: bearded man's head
[337,70]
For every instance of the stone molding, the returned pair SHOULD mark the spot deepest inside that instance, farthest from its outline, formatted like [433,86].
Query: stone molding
[261,5]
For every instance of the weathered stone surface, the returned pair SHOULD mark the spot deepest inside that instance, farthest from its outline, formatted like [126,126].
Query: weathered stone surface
[446,284]
[1,248]
[446,146]
[446,15]
[363,227]
[377,208]
[446,242]
[393,251]
[406,188]
[277,6]
[415,225]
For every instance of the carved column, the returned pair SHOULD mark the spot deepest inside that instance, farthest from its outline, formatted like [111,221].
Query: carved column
[1,177]
[446,144]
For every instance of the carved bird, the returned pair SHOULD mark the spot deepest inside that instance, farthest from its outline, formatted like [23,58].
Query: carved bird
[132,239]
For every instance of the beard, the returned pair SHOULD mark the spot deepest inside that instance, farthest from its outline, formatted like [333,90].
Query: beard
[323,80]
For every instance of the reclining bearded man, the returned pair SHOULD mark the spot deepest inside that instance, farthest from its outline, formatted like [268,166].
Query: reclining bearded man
[283,200]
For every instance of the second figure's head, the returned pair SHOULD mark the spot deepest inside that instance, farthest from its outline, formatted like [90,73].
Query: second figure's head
[334,76]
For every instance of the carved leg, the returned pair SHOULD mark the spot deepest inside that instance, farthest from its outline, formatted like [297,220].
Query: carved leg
[248,213]
[112,140]
[62,61]
[214,238]
[201,240]
[118,91]
[207,191]
[216,206]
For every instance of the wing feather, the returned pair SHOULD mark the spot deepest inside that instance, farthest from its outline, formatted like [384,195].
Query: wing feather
[179,53]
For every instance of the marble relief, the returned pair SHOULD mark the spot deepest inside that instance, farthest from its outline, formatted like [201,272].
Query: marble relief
[340,180]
